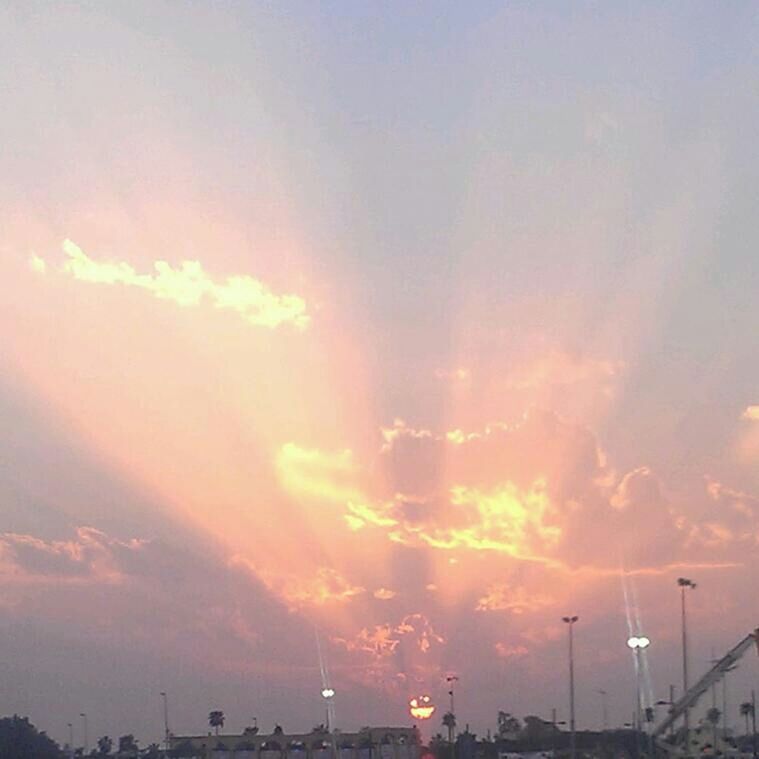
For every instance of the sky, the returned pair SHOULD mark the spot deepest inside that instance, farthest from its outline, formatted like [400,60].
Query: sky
[404,327]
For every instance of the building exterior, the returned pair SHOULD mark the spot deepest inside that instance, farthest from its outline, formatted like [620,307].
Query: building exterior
[368,743]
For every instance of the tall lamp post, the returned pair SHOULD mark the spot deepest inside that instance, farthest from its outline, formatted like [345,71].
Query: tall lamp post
[638,644]
[452,680]
[71,740]
[684,583]
[84,728]
[166,733]
[572,736]
[328,694]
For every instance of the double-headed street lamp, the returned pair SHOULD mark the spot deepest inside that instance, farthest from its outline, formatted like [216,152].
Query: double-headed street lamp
[572,736]
[638,644]
[328,694]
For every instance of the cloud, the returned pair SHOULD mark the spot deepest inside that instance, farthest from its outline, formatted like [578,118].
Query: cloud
[383,594]
[509,651]
[459,374]
[751,413]
[189,285]
[90,557]
[37,264]
[395,654]
[538,491]
[104,588]
[321,475]
[325,586]
[515,599]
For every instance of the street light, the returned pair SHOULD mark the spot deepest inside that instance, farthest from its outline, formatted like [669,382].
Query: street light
[328,695]
[604,710]
[684,583]
[166,733]
[638,644]
[71,740]
[572,738]
[451,679]
[84,724]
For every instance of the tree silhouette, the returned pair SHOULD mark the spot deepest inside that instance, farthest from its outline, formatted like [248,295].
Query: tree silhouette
[20,739]
[508,725]
[216,719]
[105,745]
[127,744]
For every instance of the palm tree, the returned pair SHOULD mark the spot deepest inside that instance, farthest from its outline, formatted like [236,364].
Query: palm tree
[747,710]
[449,720]
[713,716]
[216,720]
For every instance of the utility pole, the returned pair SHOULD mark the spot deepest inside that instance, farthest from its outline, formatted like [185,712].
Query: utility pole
[753,720]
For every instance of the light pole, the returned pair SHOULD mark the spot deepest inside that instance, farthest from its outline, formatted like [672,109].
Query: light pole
[84,727]
[166,732]
[638,644]
[572,736]
[451,679]
[328,694]
[71,740]
[684,583]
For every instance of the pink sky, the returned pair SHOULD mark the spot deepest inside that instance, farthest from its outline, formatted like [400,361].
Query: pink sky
[395,327]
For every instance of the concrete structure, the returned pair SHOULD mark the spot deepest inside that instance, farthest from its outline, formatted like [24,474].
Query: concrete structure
[368,743]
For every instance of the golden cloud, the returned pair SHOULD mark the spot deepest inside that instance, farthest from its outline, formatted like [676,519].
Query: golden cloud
[321,475]
[381,641]
[751,413]
[325,586]
[189,285]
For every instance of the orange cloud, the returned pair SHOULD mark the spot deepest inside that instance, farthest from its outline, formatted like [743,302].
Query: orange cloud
[514,599]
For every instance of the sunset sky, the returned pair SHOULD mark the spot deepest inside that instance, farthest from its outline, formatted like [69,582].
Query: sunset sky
[419,325]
